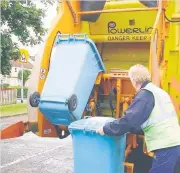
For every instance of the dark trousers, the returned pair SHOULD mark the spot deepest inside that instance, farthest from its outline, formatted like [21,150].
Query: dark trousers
[166,160]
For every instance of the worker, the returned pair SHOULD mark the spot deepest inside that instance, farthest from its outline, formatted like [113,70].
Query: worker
[151,111]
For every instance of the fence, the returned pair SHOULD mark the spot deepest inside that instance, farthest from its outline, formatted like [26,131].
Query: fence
[8,96]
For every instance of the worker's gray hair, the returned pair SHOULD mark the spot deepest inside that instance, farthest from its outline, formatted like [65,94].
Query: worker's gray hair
[139,74]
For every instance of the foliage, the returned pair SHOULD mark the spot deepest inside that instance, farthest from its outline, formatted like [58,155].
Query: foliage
[4,85]
[25,92]
[12,86]
[23,20]
[26,74]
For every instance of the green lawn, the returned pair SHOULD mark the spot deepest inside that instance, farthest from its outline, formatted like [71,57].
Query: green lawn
[14,109]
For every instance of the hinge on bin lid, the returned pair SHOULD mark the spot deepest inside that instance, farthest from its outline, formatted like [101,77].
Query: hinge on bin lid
[86,129]
[80,37]
[86,117]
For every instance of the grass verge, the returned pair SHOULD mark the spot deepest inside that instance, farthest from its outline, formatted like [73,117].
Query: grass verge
[14,109]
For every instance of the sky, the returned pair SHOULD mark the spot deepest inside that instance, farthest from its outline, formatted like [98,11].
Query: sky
[50,14]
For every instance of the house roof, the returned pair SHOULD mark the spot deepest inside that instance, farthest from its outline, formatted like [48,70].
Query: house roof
[25,65]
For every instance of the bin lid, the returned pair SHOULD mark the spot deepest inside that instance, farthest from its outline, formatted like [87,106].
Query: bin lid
[90,124]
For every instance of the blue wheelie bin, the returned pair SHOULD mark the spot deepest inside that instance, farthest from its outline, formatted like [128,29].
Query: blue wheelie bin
[94,153]
[74,67]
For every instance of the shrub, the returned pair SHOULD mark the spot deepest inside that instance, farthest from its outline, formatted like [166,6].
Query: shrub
[4,85]
[19,92]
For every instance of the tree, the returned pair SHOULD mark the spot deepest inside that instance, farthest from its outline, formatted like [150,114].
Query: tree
[26,74]
[4,85]
[22,19]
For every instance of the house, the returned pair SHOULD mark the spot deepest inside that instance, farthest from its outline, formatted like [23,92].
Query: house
[12,79]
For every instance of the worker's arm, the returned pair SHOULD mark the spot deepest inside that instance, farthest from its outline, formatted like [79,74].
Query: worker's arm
[136,114]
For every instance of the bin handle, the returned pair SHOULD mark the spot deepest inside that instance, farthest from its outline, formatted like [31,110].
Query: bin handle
[80,37]
[64,37]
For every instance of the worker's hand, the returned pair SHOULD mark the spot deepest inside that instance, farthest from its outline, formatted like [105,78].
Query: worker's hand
[100,131]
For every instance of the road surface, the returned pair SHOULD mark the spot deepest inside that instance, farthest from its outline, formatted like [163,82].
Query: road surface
[32,154]
[6,121]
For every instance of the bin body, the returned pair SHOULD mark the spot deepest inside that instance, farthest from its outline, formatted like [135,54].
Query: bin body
[94,153]
[75,65]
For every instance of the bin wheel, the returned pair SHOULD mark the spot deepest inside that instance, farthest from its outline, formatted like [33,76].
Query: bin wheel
[34,99]
[72,102]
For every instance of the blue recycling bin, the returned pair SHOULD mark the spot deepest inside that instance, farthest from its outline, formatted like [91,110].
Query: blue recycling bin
[94,153]
[74,67]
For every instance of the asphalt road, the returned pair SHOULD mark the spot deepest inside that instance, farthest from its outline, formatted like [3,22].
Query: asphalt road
[6,121]
[32,154]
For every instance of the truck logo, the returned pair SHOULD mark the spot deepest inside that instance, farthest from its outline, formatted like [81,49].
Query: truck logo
[111,25]
[112,29]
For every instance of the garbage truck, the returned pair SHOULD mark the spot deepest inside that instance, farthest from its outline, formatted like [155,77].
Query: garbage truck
[83,68]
